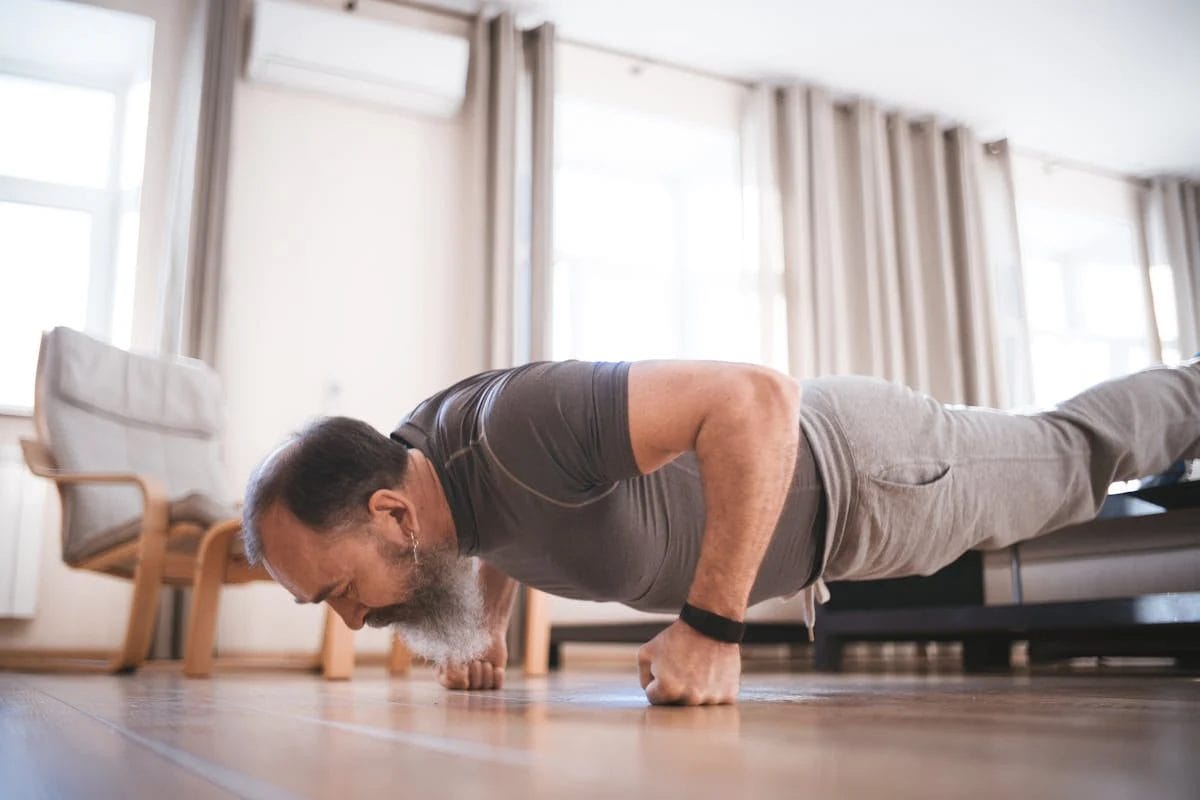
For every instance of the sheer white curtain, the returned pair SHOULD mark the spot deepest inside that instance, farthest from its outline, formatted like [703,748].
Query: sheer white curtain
[1172,221]
[650,241]
[878,220]
[1084,296]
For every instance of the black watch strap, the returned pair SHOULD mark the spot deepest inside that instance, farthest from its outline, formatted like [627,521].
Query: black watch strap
[714,626]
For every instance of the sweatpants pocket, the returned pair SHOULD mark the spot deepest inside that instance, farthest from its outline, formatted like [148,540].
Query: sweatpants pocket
[902,525]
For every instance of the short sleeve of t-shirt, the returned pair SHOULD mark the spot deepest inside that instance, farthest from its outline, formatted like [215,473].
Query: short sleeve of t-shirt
[562,428]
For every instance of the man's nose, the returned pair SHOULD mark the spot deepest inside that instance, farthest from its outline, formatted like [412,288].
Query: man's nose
[354,614]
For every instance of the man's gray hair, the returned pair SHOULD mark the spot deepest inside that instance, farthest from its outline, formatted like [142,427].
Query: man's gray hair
[324,475]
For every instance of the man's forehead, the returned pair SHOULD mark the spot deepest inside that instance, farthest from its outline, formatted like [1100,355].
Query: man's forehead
[289,553]
[299,594]
[280,577]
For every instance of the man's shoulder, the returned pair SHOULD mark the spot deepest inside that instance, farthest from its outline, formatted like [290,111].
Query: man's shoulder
[447,405]
[467,402]
[542,390]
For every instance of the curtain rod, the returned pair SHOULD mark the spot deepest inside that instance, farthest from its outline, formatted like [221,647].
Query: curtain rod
[711,75]
[698,71]
[849,98]
[433,8]
[1081,166]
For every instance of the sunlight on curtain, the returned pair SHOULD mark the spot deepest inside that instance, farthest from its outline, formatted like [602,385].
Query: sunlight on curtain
[650,251]
[648,240]
[1085,287]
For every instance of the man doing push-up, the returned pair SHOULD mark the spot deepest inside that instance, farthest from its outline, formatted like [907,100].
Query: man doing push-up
[693,487]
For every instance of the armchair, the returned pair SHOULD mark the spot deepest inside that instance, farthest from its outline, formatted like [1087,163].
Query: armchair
[132,445]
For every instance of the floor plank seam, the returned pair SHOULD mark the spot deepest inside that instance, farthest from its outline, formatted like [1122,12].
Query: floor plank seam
[439,744]
[236,783]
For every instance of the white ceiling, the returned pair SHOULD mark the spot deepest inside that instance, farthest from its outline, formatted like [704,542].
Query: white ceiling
[1110,83]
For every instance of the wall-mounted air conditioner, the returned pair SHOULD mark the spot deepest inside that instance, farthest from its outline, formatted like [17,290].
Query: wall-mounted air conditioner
[344,54]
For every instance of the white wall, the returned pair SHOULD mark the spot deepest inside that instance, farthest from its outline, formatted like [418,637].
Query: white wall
[347,265]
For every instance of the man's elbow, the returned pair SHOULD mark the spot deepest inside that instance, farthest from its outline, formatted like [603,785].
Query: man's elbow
[770,392]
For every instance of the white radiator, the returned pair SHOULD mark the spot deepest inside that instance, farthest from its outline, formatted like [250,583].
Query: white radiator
[22,516]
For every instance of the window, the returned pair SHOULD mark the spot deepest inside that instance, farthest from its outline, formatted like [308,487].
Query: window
[650,251]
[74,86]
[1086,289]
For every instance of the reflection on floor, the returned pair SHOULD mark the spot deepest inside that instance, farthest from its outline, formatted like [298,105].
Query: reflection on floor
[591,734]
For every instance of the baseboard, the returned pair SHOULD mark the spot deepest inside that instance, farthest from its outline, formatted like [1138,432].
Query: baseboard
[96,660]
[296,658]
[56,660]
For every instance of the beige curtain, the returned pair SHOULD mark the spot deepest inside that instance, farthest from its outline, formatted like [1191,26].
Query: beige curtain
[191,290]
[885,261]
[1172,224]
[513,79]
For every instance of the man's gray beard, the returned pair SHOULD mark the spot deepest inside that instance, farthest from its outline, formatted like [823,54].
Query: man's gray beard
[443,618]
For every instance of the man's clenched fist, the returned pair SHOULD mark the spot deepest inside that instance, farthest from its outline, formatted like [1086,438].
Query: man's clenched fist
[683,667]
[485,672]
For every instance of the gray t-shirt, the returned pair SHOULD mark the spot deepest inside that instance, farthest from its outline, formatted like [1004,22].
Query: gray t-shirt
[539,472]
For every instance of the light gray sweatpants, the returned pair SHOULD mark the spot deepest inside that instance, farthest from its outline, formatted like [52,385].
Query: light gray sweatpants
[912,484]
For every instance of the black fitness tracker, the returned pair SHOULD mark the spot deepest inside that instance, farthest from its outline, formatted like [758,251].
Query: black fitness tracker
[714,626]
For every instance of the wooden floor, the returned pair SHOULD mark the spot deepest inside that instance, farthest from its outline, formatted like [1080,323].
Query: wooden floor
[591,734]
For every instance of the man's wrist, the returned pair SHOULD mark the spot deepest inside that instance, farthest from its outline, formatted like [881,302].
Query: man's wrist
[715,626]
[719,593]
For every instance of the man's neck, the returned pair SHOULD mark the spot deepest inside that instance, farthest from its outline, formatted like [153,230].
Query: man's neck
[438,528]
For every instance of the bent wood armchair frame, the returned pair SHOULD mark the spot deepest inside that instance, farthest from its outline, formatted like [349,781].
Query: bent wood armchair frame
[206,571]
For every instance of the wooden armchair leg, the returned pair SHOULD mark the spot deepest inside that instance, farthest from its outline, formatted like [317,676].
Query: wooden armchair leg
[399,659]
[337,648]
[212,559]
[147,582]
[537,633]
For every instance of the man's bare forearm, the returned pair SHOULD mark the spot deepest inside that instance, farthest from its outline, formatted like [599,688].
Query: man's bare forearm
[747,454]
[499,593]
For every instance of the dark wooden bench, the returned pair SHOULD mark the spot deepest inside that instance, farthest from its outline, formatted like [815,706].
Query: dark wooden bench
[948,606]
[1162,624]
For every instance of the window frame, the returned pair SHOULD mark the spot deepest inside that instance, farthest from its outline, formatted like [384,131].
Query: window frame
[106,205]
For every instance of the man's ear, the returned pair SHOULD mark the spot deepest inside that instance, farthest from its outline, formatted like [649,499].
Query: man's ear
[392,508]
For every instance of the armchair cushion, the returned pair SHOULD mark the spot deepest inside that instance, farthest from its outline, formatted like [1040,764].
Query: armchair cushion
[198,509]
[169,394]
[102,409]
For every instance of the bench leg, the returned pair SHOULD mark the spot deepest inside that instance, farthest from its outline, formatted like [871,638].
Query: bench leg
[337,648]
[400,658]
[986,654]
[827,653]
[537,633]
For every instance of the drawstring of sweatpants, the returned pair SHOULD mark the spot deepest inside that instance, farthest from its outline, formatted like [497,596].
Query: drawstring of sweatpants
[815,593]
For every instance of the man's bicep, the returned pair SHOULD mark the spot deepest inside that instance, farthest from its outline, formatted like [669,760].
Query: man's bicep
[669,402]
